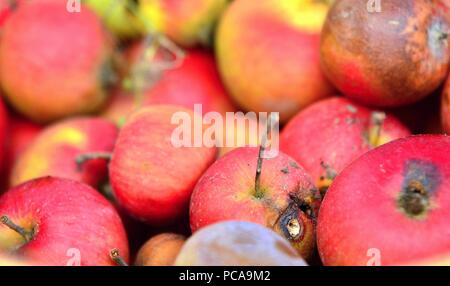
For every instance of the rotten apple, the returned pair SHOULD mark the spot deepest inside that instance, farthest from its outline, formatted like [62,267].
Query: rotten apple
[390,207]
[51,220]
[391,57]
[276,193]
[328,135]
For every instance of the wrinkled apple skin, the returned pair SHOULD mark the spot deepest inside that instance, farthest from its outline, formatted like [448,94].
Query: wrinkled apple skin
[362,214]
[226,191]
[187,23]
[334,132]
[445,108]
[268,54]
[65,215]
[53,63]
[386,59]
[151,178]
[55,150]
[246,244]
[160,250]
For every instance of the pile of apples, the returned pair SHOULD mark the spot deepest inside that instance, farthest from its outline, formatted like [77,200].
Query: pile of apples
[90,175]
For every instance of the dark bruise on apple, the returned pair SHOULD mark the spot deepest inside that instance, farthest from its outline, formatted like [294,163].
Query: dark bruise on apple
[388,58]
[283,198]
[328,135]
[394,199]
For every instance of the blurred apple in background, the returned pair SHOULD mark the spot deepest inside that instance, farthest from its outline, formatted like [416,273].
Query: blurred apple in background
[188,23]
[55,150]
[49,71]
[268,54]
[236,243]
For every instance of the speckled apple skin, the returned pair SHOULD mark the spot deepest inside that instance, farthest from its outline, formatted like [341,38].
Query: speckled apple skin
[51,61]
[360,210]
[67,215]
[268,55]
[226,192]
[386,59]
[152,179]
[333,131]
[55,150]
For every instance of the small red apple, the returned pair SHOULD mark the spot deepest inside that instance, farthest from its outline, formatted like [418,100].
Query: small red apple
[328,135]
[54,152]
[390,207]
[151,178]
[236,243]
[268,54]
[285,198]
[54,63]
[391,57]
[160,250]
[55,221]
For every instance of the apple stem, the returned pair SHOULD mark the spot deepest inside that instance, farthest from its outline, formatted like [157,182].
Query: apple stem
[115,256]
[376,122]
[27,235]
[83,158]
[258,191]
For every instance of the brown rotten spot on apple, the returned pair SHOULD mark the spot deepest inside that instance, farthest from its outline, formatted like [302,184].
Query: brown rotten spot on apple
[391,58]
[327,136]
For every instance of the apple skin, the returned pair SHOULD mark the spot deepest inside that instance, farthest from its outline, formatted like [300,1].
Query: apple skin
[118,17]
[65,215]
[334,132]
[47,73]
[237,243]
[160,250]
[385,59]
[152,179]
[274,45]
[4,122]
[55,150]
[187,23]
[363,209]
[226,191]
[445,108]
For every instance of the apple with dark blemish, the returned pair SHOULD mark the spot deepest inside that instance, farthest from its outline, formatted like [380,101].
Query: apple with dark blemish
[389,58]
[281,196]
[390,207]
[328,135]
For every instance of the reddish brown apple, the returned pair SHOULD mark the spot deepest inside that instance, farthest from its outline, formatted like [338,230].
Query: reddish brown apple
[54,152]
[61,222]
[391,55]
[283,197]
[445,108]
[153,178]
[390,207]
[327,136]
[160,250]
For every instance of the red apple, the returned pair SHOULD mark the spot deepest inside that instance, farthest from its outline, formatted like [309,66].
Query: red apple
[3,134]
[54,63]
[54,152]
[268,54]
[236,243]
[160,250]
[151,178]
[285,199]
[445,108]
[389,58]
[59,221]
[327,136]
[390,207]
